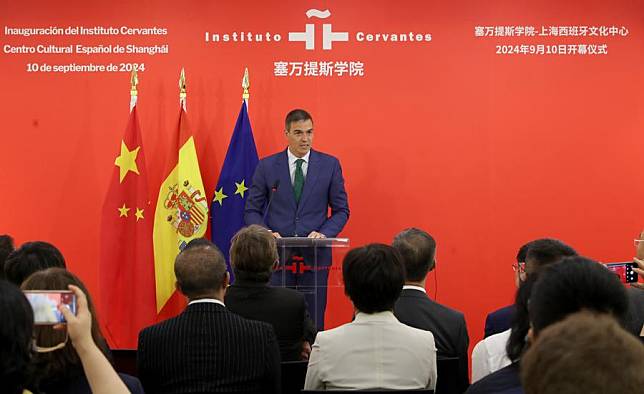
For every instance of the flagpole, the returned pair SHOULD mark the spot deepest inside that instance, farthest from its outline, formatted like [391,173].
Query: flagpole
[182,89]
[134,81]
[246,85]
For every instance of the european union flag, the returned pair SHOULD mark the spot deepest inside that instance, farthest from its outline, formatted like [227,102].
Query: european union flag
[227,208]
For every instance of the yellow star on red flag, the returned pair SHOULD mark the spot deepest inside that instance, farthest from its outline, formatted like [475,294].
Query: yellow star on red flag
[123,211]
[126,161]
[138,214]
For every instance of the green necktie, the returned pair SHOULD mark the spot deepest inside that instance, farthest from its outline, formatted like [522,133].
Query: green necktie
[298,182]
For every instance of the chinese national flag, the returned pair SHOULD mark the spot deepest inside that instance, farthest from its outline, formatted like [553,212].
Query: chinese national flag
[126,267]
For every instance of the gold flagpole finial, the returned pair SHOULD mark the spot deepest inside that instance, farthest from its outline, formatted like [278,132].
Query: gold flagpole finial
[245,85]
[134,81]
[182,84]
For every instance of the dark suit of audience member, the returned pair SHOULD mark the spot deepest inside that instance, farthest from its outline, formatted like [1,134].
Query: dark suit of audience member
[414,307]
[635,320]
[253,254]
[500,320]
[284,309]
[207,348]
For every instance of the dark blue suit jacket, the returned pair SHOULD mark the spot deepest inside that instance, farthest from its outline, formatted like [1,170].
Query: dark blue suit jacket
[323,188]
[500,320]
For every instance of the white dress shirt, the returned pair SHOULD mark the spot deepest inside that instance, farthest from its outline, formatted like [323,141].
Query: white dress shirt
[413,287]
[206,301]
[292,166]
[373,351]
[489,355]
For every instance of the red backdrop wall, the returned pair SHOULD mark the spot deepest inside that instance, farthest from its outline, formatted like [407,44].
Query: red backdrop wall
[485,151]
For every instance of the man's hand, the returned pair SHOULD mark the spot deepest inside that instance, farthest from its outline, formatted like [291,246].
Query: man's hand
[315,234]
[306,351]
[276,234]
[640,272]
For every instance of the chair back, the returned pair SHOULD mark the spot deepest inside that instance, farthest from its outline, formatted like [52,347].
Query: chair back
[293,376]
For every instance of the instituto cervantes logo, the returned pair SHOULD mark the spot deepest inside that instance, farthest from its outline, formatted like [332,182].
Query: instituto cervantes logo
[318,67]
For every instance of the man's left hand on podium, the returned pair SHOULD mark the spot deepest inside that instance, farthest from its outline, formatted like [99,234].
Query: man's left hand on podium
[315,234]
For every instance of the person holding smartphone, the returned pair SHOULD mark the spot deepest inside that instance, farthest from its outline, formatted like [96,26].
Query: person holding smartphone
[60,365]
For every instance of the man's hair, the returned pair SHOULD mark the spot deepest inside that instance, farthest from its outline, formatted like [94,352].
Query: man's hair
[15,339]
[523,252]
[296,115]
[63,364]
[418,250]
[373,277]
[200,271]
[546,251]
[572,285]
[584,353]
[193,243]
[6,247]
[253,252]
[32,257]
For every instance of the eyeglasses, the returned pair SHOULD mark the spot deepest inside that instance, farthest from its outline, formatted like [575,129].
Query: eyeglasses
[636,242]
[519,267]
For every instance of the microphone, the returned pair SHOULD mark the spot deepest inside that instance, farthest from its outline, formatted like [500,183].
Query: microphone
[276,184]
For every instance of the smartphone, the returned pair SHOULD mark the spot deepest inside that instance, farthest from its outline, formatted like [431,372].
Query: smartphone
[45,305]
[624,271]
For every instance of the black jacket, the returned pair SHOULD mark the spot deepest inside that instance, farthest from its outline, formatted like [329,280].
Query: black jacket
[414,308]
[285,309]
[208,349]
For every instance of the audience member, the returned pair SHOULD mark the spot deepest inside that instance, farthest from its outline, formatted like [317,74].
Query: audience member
[585,353]
[6,247]
[375,351]
[31,257]
[15,339]
[59,367]
[561,289]
[414,307]
[207,348]
[501,319]
[500,350]
[253,256]
[16,368]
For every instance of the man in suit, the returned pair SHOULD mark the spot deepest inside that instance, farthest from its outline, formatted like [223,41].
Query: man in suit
[375,350]
[207,348]
[291,194]
[500,350]
[253,255]
[416,309]
[501,319]
[531,257]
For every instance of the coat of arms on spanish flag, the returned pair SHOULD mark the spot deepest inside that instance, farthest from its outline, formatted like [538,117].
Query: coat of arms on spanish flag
[182,208]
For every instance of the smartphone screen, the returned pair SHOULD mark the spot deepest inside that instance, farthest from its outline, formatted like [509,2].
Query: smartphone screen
[45,305]
[624,271]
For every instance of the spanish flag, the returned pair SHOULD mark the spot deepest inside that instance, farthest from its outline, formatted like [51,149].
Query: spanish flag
[126,281]
[181,211]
